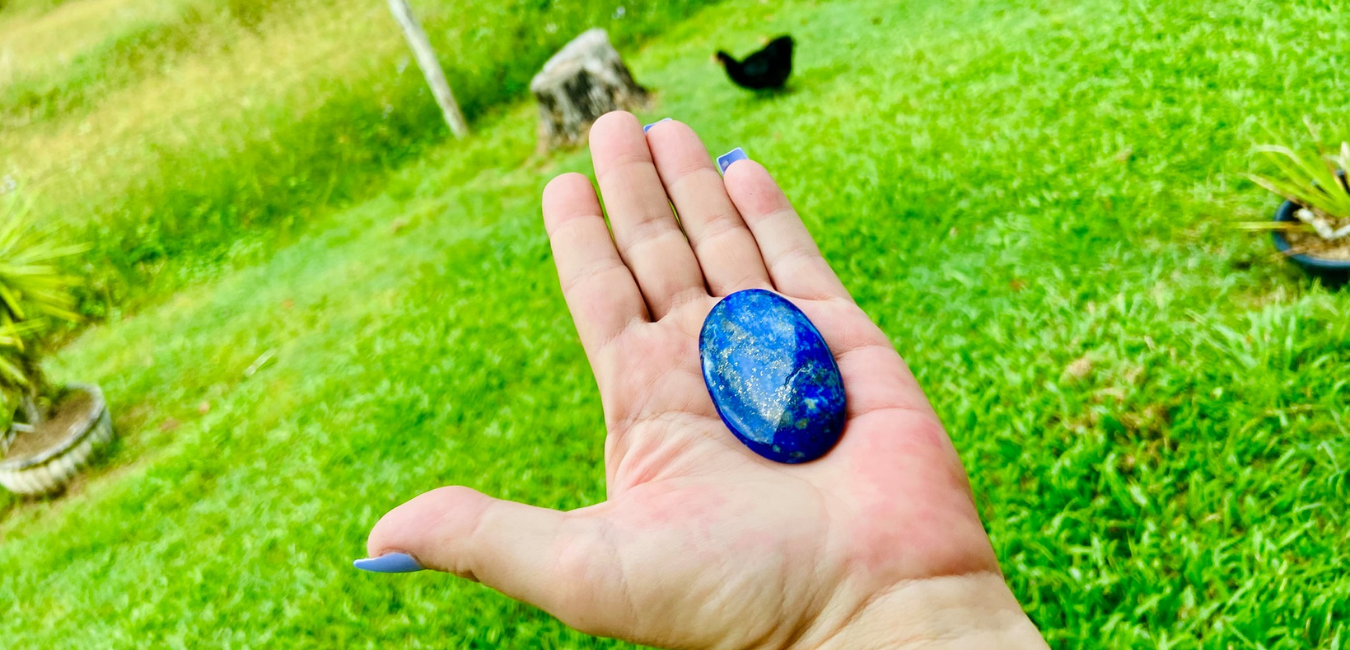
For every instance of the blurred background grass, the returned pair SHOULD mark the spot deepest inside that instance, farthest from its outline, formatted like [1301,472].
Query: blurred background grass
[1035,199]
[178,134]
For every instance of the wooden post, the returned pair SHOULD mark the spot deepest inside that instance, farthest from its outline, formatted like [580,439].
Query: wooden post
[431,68]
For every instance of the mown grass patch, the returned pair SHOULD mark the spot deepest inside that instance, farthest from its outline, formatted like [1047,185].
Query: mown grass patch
[193,123]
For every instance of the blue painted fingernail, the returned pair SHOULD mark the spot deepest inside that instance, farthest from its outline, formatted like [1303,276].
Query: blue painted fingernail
[390,563]
[725,160]
[649,126]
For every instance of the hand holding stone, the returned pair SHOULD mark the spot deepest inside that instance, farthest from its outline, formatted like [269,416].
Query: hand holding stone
[702,543]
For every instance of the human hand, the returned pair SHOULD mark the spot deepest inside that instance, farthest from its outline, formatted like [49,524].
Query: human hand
[701,543]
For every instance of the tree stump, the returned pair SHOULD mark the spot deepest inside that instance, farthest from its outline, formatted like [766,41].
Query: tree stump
[583,81]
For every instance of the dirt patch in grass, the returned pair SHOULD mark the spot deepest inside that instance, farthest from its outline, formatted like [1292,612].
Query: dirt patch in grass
[70,411]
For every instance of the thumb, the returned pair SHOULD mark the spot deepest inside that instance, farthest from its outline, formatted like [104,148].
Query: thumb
[544,557]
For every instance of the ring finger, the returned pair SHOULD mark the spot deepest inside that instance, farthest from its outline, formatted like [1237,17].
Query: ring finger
[725,249]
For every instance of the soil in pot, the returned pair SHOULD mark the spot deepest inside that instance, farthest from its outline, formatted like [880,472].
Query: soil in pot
[71,410]
[1309,243]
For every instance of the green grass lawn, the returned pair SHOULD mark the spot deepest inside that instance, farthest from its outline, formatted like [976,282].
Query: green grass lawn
[178,137]
[1010,188]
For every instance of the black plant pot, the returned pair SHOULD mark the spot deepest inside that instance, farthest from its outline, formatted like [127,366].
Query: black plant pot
[1332,272]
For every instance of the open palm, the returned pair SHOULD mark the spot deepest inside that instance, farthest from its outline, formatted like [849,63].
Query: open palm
[702,543]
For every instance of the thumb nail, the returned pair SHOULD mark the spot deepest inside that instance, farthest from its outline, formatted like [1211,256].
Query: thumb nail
[389,563]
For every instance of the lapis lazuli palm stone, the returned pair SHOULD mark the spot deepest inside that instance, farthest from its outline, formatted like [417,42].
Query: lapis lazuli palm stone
[771,376]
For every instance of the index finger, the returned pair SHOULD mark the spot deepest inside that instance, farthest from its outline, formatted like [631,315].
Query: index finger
[598,287]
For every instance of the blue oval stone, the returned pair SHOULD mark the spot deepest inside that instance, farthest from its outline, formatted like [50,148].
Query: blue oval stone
[771,376]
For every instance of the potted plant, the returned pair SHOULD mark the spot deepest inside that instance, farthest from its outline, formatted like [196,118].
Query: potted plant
[1312,226]
[54,430]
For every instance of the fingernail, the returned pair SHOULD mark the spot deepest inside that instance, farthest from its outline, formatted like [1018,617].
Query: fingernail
[649,126]
[389,563]
[725,160]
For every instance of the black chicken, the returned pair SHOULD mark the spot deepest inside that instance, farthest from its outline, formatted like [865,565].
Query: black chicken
[767,69]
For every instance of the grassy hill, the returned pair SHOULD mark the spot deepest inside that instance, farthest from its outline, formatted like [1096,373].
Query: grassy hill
[180,135]
[1034,199]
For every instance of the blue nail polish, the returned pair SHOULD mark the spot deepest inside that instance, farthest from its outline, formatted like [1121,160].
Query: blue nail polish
[390,563]
[725,160]
[649,126]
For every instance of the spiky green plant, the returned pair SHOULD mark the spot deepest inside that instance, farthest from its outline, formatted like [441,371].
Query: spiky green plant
[1316,183]
[34,293]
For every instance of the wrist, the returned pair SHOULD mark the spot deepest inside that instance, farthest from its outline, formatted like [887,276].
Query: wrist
[947,613]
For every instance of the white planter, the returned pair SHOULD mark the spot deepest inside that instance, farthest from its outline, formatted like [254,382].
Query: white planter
[49,470]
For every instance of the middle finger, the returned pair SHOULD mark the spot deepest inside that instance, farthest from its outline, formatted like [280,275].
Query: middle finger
[649,240]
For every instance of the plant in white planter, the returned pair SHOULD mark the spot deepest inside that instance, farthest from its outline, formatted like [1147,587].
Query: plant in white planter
[55,430]
[1313,225]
